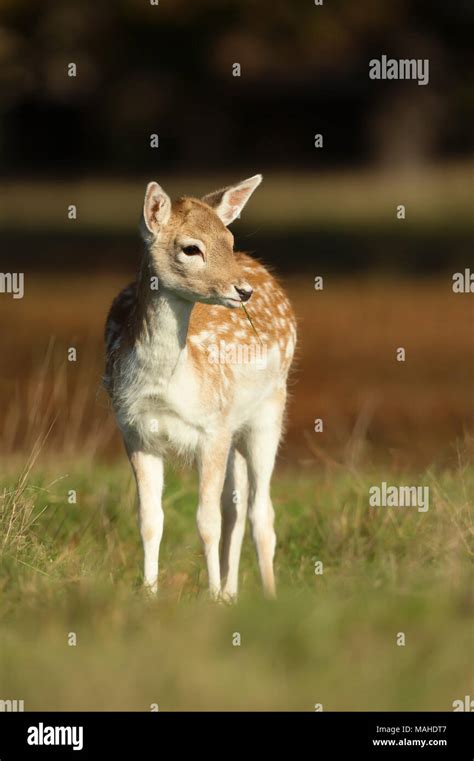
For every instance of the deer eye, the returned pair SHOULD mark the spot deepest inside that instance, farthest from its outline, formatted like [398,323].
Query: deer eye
[192,251]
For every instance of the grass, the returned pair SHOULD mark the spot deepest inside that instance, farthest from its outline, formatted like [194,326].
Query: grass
[331,638]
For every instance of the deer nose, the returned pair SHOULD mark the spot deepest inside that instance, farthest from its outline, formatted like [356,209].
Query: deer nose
[244,293]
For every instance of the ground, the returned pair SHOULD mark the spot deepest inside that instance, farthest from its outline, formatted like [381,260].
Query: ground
[329,639]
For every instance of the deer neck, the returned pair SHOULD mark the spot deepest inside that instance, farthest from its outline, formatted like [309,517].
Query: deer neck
[162,324]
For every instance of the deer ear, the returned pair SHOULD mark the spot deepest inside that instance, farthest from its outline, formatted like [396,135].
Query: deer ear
[156,209]
[229,202]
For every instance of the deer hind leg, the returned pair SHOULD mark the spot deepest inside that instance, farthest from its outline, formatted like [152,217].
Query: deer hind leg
[212,460]
[234,511]
[261,445]
[148,471]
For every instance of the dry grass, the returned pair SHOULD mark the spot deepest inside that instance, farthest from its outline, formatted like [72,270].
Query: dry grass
[405,414]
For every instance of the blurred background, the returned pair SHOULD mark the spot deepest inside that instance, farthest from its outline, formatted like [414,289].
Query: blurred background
[325,211]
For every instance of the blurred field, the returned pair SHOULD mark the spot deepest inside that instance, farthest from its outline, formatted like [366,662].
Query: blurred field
[329,639]
[374,408]
[437,198]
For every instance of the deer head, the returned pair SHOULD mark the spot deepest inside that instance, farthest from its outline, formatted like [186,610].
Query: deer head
[189,246]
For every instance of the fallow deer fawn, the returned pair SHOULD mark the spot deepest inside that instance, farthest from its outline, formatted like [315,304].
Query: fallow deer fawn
[185,374]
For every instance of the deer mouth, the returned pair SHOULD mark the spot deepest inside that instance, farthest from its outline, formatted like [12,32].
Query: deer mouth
[229,301]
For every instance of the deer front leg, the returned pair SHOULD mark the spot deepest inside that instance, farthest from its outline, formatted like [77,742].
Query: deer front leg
[148,470]
[212,461]
[234,512]
[262,444]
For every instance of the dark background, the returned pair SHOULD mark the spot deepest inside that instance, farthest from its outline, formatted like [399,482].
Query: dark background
[168,69]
